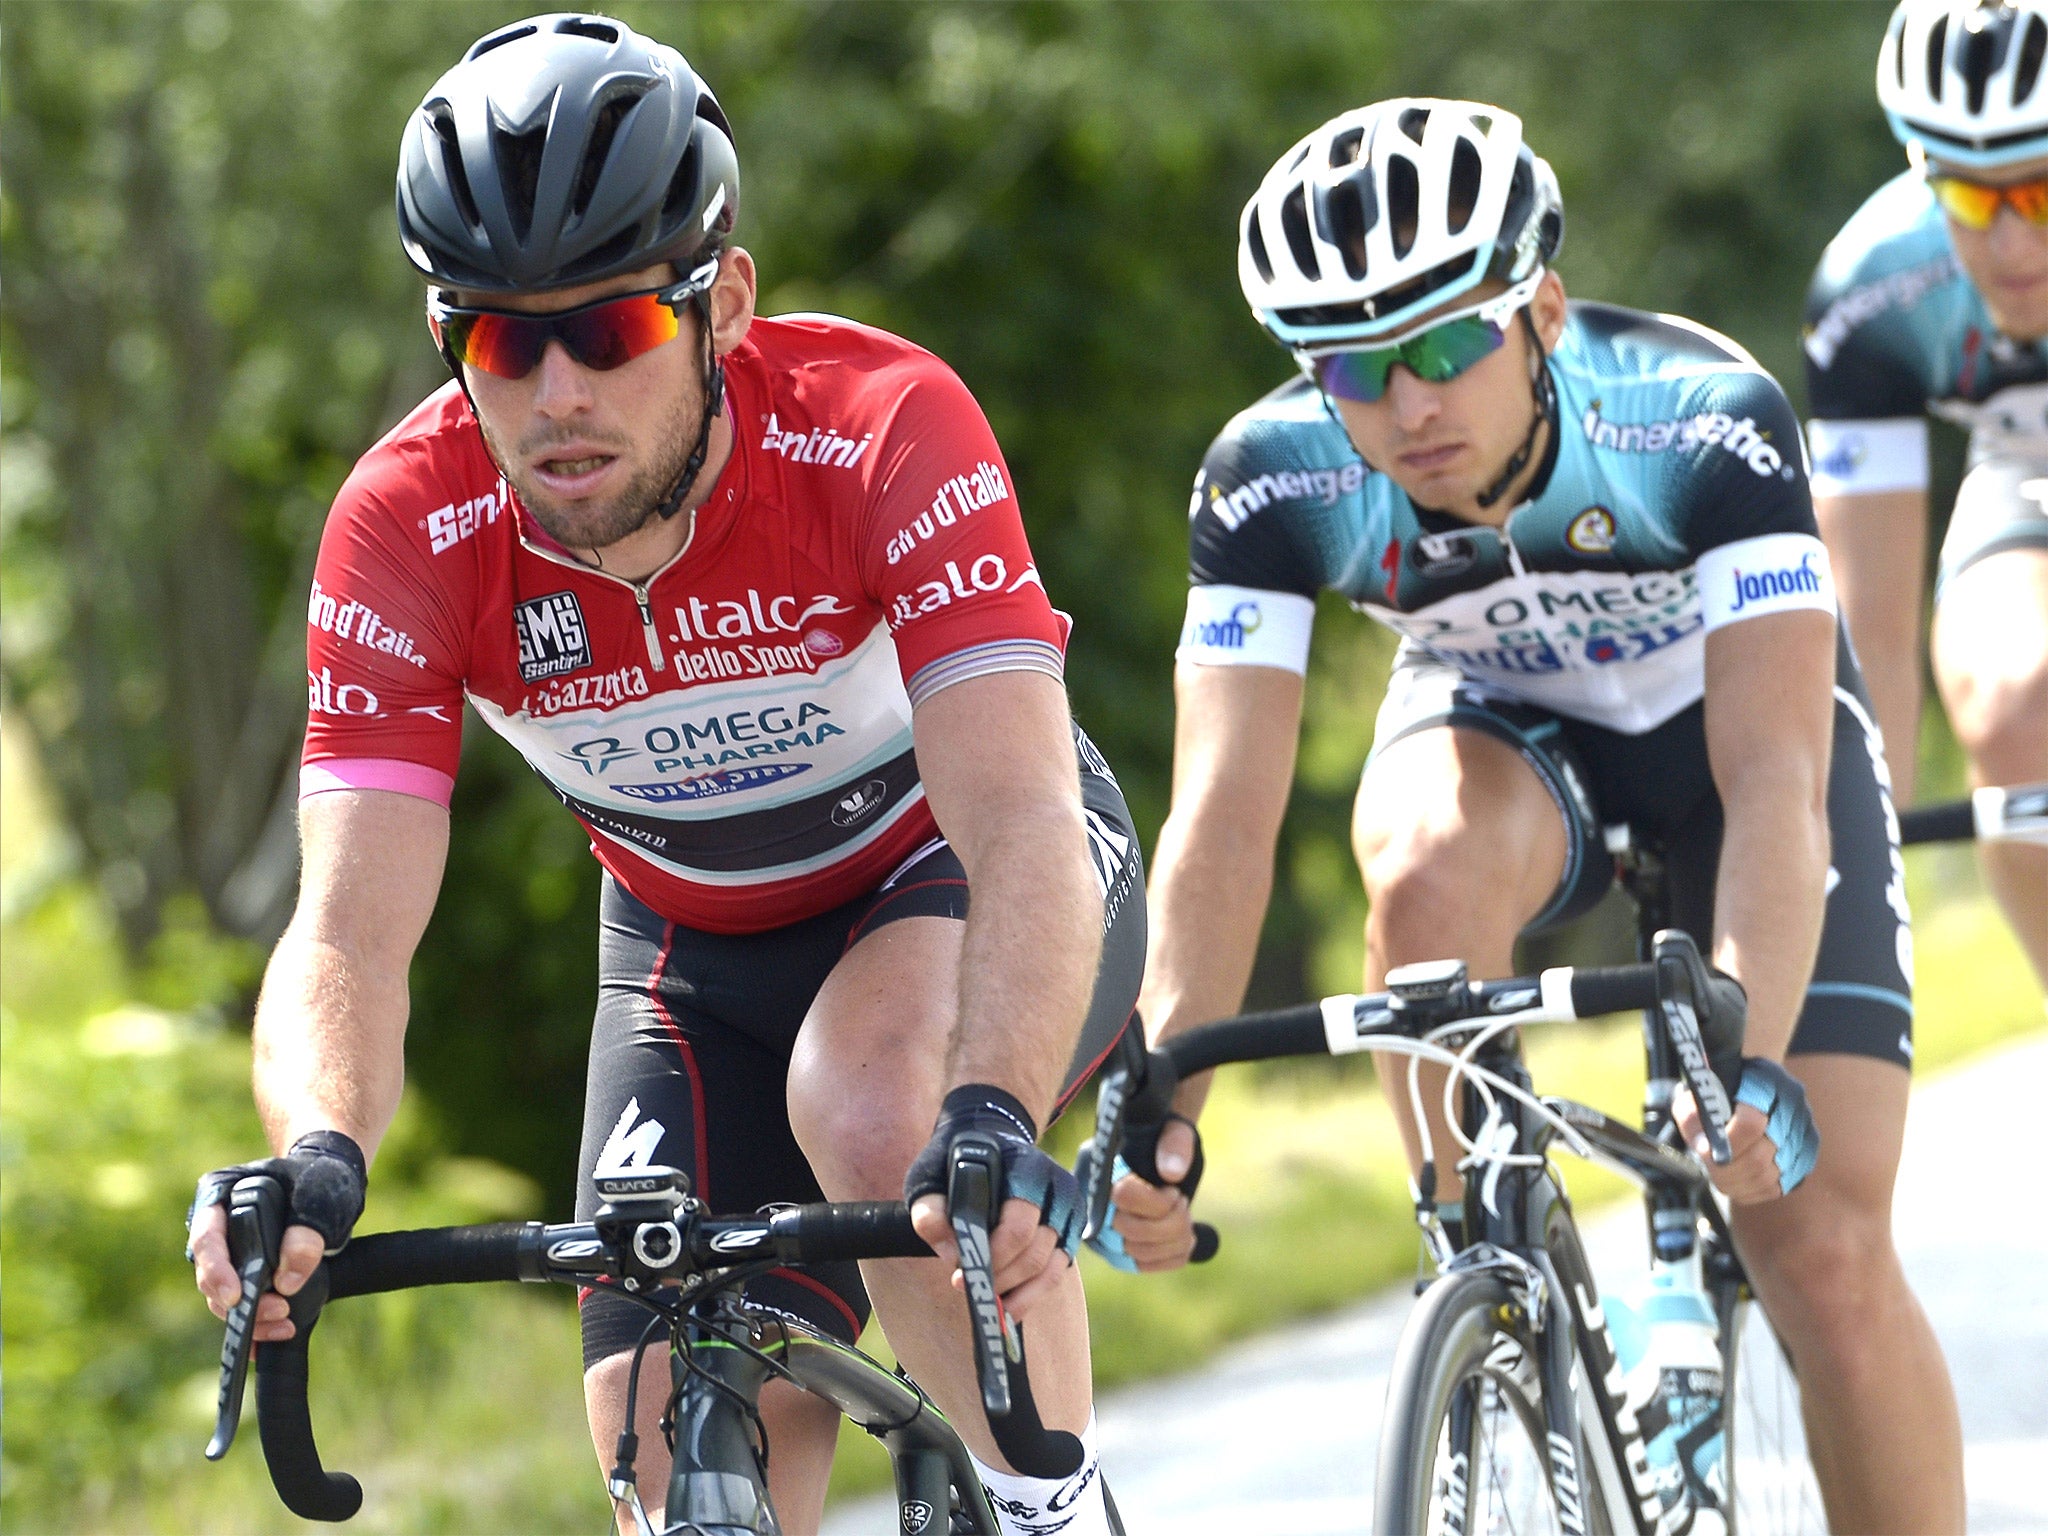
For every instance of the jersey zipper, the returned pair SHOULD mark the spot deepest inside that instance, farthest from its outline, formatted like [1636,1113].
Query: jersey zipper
[641,590]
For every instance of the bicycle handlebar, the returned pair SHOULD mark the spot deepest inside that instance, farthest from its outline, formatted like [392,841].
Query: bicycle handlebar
[1704,1014]
[389,1261]
[2016,813]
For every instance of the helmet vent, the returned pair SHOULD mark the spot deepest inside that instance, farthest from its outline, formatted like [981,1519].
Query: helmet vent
[1404,203]
[616,249]
[1937,45]
[511,34]
[603,129]
[1255,242]
[1464,186]
[1346,217]
[1899,52]
[1344,148]
[2027,72]
[518,156]
[1412,122]
[595,28]
[442,119]
[1980,51]
[1300,155]
[682,187]
[1294,225]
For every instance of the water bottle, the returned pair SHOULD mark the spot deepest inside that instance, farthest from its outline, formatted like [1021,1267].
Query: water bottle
[1668,1346]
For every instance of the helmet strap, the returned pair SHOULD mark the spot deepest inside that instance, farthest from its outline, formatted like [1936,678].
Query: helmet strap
[1544,390]
[714,402]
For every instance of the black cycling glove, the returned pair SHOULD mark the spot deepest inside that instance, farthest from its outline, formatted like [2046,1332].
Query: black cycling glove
[324,1177]
[1028,1173]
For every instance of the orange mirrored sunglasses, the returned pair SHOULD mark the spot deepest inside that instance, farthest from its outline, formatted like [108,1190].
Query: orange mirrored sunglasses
[1975,204]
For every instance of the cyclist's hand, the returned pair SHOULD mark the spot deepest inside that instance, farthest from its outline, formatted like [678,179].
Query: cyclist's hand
[324,1178]
[1033,1243]
[1153,1222]
[1773,1137]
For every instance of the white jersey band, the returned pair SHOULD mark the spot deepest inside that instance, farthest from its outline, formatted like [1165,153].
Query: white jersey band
[1860,458]
[1246,627]
[1772,573]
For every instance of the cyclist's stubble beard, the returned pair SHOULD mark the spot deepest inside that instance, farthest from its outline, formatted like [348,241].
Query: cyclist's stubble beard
[598,523]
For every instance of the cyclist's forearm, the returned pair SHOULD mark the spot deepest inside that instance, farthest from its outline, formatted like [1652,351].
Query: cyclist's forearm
[1028,958]
[329,1043]
[1211,881]
[1770,899]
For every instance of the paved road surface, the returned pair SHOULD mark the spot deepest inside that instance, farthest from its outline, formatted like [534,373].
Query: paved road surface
[1277,1436]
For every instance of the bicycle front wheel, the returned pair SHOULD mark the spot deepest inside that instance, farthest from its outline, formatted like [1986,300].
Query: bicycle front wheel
[1462,1449]
[1771,1491]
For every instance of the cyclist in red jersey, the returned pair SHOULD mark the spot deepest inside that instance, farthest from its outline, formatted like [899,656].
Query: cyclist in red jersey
[753,597]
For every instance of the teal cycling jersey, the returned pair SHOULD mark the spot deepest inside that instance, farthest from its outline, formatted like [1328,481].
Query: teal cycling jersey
[1672,500]
[1895,330]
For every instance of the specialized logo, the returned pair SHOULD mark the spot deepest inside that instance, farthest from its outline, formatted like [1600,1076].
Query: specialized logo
[1227,634]
[705,786]
[1592,532]
[1899,290]
[1108,848]
[552,636]
[1683,433]
[819,445]
[1756,586]
[961,496]
[987,573]
[1441,555]
[632,1142]
[358,622]
[1231,508]
[859,804]
[450,525]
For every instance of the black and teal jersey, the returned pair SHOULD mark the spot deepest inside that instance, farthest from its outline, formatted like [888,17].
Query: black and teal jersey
[1895,329]
[1674,500]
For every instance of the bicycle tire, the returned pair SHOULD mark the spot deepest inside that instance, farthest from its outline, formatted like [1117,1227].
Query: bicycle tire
[1771,1486]
[1462,1386]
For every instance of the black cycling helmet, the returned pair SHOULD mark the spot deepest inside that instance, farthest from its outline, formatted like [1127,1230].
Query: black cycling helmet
[562,150]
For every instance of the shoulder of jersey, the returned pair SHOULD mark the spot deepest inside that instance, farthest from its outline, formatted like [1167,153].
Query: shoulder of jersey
[1897,235]
[1292,414]
[1609,344]
[807,339]
[431,473]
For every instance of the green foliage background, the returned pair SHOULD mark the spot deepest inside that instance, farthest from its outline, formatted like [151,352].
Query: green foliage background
[206,318]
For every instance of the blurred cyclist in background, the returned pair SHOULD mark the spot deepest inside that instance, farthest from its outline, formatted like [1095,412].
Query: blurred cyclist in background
[1592,529]
[1934,297]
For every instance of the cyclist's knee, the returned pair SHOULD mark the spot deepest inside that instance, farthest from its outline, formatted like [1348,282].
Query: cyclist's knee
[1431,898]
[2000,713]
[859,1144]
[1827,1276]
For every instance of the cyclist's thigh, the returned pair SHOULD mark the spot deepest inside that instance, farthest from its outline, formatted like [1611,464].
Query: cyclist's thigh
[2001,506]
[688,1059]
[1478,788]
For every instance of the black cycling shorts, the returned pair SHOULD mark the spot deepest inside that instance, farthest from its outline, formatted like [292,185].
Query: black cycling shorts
[1660,784]
[2001,505]
[694,1032]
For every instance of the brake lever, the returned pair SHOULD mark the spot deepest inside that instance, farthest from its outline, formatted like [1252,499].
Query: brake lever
[1095,1163]
[974,1172]
[1690,1005]
[255,1231]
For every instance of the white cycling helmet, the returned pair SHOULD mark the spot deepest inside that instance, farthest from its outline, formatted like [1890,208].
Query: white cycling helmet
[1962,81]
[1389,211]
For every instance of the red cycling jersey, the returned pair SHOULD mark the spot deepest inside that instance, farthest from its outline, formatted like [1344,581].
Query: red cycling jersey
[734,731]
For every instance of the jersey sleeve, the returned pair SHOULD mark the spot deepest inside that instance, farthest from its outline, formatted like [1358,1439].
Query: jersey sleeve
[1745,511]
[1867,389]
[384,657]
[943,547]
[1251,584]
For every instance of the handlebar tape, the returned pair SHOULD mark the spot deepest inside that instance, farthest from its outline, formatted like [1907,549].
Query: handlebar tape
[308,1489]
[396,1261]
[1938,823]
[819,1234]
[1294,1031]
[1612,989]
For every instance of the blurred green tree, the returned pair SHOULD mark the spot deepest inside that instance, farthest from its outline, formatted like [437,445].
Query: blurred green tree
[206,318]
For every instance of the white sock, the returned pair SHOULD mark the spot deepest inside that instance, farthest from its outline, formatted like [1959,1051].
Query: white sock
[1050,1506]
